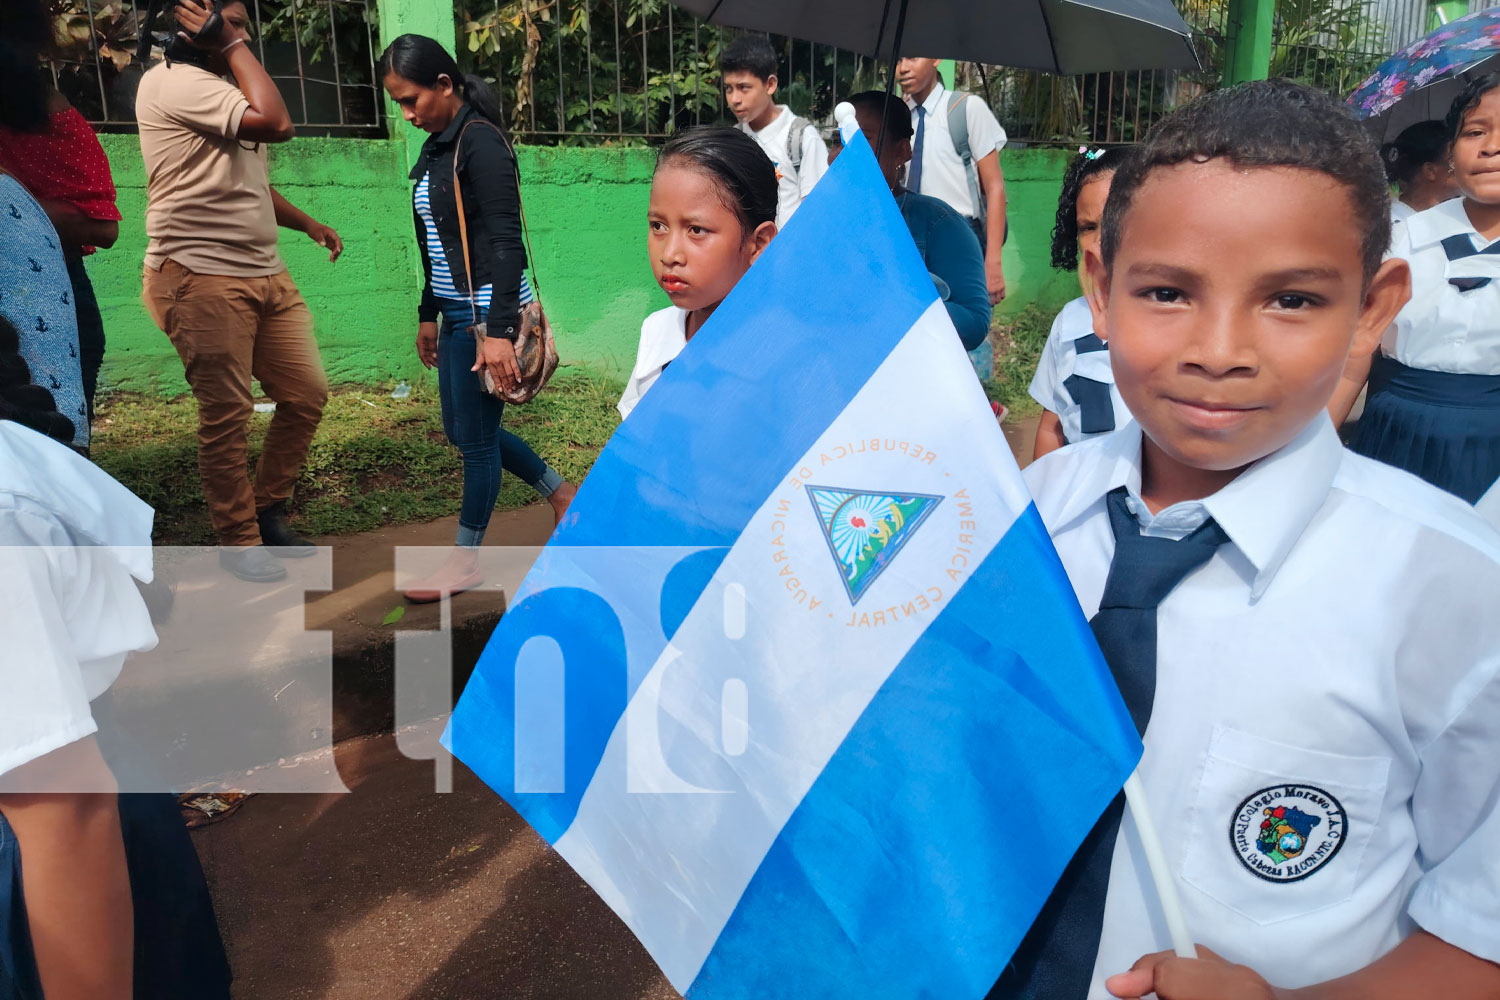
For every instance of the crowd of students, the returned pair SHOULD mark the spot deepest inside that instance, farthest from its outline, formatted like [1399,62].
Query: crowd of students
[1302,633]
[1295,685]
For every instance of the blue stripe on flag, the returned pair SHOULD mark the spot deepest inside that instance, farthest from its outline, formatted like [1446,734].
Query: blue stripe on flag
[561,600]
[738,416]
[970,856]
[745,412]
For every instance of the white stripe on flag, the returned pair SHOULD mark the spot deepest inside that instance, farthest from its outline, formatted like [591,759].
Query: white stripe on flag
[674,864]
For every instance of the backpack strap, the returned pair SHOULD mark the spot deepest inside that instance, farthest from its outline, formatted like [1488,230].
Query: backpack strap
[958,128]
[794,135]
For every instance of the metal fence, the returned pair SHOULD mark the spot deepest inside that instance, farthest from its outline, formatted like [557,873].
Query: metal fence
[622,71]
[321,53]
[590,71]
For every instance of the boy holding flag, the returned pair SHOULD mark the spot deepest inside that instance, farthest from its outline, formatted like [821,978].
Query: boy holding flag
[1321,716]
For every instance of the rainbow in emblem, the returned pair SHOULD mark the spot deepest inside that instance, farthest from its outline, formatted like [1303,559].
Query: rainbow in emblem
[866,529]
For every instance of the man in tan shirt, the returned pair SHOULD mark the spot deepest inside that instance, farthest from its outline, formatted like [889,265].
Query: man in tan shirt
[217,287]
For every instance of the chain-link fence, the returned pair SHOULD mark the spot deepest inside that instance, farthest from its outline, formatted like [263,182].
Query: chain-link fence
[320,53]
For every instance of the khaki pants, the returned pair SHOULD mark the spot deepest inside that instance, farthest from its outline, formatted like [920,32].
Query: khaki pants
[228,330]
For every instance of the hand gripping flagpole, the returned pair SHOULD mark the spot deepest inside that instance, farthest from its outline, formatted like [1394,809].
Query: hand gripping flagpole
[1161,875]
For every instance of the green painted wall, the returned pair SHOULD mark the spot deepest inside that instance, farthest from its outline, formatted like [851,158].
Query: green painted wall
[1033,181]
[586,207]
[363,306]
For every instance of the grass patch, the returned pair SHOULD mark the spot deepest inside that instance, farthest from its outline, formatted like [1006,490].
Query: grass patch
[1018,348]
[376,461]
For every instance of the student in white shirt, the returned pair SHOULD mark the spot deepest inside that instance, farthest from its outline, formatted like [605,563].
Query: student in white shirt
[1433,406]
[976,188]
[1315,671]
[712,213]
[114,903]
[792,144]
[1073,380]
[1417,163]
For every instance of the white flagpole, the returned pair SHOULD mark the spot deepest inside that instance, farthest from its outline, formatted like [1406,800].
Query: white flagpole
[1161,874]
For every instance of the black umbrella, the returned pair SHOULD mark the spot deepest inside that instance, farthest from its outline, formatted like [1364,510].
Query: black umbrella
[1055,36]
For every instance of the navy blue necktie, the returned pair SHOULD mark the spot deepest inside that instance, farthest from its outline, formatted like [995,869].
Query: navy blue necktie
[1458,247]
[914,172]
[1056,959]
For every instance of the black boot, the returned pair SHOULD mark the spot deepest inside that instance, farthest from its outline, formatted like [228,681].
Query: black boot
[278,536]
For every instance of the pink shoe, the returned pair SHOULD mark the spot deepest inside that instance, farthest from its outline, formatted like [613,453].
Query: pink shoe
[458,574]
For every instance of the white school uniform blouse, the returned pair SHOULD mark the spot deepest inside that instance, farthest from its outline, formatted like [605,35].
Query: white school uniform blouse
[792,184]
[663,336]
[1060,361]
[943,174]
[1337,660]
[1442,328]
[1488,506]
[72,542]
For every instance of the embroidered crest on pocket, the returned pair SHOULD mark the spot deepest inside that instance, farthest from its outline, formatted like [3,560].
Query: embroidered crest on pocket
[1284,833]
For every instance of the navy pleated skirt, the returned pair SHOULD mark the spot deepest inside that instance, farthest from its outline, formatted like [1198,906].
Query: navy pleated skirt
[178,952]
[1442,426]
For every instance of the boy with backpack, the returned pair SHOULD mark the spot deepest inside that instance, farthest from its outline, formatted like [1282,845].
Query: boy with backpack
[956,157]
[793,144]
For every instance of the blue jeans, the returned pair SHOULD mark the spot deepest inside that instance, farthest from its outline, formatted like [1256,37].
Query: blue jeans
[471,420]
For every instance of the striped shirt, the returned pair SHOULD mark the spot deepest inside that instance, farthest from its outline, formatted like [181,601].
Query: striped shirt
[441,275]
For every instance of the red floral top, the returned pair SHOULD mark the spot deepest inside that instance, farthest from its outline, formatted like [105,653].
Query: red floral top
[64,163]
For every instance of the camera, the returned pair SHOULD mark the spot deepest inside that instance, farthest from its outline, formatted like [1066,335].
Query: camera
[174,47]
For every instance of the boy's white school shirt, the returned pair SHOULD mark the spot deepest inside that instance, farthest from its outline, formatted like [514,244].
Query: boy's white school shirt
[72,543]
[663,336]
[792,185]
[943,174]
[1060,360]
[1442,328]
[1342,648]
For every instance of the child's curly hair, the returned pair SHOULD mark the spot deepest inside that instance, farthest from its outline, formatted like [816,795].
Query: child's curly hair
[1086,166]
[1265,123]
[23,401]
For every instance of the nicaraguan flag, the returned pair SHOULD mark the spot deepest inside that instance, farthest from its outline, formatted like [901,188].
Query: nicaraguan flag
[801,688]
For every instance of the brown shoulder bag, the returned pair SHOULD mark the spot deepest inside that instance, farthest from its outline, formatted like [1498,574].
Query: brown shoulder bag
[536,350]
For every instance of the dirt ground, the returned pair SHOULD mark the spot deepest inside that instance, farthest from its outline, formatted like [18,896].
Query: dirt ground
[400,892]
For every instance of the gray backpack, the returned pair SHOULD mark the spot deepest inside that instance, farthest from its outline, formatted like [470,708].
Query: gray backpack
[794,144]
[958,128]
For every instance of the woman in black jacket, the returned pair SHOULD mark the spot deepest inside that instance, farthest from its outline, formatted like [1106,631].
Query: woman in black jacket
[467,147]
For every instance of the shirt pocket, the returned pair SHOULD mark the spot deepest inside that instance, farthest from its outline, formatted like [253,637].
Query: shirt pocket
[1279,831]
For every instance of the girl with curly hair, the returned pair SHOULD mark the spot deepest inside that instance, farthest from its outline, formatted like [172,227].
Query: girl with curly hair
[1073,380]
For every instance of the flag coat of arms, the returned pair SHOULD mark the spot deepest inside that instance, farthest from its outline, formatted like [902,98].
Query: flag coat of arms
[801,688]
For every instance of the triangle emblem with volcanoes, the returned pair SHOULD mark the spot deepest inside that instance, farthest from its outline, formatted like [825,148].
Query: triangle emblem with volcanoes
[865,529]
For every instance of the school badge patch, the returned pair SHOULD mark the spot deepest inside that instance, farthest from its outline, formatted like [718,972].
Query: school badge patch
[865,530]
[1286,832]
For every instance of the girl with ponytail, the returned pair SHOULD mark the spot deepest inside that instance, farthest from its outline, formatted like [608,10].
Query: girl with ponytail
[1417,163]
[474,273]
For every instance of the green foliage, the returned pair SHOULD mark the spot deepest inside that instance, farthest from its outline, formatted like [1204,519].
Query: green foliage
[622,70]
[1330,44]
[1018,347]
[316,25]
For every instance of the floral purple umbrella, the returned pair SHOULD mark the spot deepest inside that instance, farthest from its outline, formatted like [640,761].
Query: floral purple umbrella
[1419,82]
